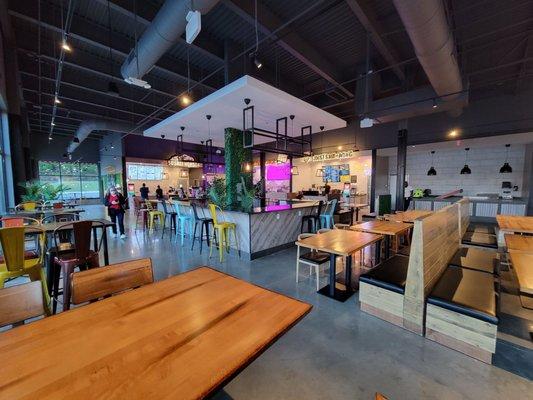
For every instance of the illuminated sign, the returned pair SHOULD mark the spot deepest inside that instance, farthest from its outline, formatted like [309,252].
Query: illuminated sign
[338,155]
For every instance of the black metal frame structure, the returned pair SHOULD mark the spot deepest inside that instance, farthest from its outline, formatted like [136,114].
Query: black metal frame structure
[280,137]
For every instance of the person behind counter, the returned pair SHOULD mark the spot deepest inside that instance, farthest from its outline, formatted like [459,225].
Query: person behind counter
[144,191]
[327,188]
[159,193]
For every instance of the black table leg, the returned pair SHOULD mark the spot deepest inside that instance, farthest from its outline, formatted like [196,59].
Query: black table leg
[387,247]
[348,273]
[95,239]
[378,251]
[106,250]
[331,290]
[332,274]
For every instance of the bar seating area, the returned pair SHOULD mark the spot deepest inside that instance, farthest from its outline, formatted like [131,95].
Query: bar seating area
[268,199]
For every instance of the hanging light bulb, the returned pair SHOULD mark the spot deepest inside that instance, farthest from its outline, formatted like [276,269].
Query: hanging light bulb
[432,171]
[506,168]
[56,100]
[258,64]
[65,46]
[185,100]
[434,103]
[466,169]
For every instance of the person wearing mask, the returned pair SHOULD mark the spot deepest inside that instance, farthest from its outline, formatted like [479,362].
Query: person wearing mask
[115,203]
[144,192]
[159,193]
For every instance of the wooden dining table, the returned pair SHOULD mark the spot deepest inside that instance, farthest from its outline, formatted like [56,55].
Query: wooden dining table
[339,242]
[386,228]
[408,216]
[515,223]
[181,338]
[519,243]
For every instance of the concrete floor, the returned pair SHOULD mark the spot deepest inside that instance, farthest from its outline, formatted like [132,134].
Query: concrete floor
[337,351]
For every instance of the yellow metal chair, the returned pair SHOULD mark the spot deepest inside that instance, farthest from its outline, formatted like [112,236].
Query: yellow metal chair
[152,214]
[15,264]
[223,228]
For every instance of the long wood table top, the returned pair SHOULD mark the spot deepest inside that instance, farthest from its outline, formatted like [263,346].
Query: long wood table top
[523,266]
[180,338]
[339,241]
[50,227]
[50,211]
[408,216]
[519,243]
[390,228]
[515,223]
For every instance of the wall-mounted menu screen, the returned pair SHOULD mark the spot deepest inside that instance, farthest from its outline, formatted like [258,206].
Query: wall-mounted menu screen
[333,173]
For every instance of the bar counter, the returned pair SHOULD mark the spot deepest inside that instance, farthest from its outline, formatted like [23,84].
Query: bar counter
[481,208]
[264,230]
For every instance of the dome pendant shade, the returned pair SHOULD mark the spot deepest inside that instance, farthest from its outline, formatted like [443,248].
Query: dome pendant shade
[432,171]
[466,170]
[506,169]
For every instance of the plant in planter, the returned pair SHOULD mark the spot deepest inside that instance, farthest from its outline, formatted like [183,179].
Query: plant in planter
[247,196]
[217,192]
[36,191]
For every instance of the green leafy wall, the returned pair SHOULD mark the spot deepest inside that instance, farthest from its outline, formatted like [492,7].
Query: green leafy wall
[235,157]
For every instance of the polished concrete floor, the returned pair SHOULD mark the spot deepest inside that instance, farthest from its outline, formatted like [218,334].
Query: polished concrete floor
[337,351]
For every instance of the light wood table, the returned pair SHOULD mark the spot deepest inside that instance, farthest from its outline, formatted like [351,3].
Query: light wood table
[523,266]
[181,338]
[339,242]
[387,228]
[408,216]
[514,223]
[519,243]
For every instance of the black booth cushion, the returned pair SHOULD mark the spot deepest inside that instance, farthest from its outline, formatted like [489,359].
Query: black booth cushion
[480,239]
[467,292]
[481,228]
[480,260]
[315,257]
[390,274]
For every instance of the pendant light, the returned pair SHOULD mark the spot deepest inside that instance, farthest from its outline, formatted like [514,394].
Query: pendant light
[466,169]
[320,171]
[294,171]
[506,168]
[432,171]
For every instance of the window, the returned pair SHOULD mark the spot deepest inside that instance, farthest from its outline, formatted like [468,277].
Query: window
[145,172]
[81,180]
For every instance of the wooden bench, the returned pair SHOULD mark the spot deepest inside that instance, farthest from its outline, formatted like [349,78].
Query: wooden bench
[471,234]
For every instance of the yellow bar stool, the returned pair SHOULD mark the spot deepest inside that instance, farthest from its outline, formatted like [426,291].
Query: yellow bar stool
[223,228]
[152,214]
[15,263]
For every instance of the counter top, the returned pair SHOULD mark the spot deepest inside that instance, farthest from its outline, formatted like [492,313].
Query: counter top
[515,200]
[291,205]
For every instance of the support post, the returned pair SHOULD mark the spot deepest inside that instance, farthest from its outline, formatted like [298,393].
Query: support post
[400,167]
[373,181]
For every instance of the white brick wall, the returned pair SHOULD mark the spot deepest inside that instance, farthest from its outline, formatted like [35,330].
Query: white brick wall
[485,163]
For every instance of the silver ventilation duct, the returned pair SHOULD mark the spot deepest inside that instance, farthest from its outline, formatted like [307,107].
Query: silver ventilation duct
[168,25]
[88,126]
[426,25]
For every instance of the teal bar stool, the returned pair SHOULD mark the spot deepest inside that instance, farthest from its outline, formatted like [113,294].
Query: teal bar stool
[185,221]
[326,218]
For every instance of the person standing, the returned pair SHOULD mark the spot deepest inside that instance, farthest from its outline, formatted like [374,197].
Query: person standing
[115,203]
[407,195]
[159,193]
[144,192]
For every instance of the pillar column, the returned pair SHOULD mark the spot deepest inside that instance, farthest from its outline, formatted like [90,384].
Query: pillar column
[400,169]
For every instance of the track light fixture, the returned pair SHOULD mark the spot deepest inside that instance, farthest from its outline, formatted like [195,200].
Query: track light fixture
[506,168]
[435,105]
[258,64]
[65,46]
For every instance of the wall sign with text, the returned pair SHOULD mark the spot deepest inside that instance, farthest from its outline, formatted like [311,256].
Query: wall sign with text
[338,155]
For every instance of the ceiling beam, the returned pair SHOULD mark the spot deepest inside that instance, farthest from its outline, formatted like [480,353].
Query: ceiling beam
[290,41]
[203,44]
[98,92]
[76,33]
[366,17]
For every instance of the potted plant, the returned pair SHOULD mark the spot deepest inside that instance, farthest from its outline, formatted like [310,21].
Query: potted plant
[217,192]
[36,192]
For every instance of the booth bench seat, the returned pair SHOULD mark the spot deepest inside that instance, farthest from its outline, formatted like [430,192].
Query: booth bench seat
[476,259]
[479,227]
[461,312]
[381,290]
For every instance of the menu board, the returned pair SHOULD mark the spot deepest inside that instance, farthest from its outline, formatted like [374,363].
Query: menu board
[145,172]
[333,173]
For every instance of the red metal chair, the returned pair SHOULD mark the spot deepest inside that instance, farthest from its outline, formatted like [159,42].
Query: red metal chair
[72,255]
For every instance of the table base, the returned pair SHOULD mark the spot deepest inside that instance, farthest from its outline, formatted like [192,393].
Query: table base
[339,294]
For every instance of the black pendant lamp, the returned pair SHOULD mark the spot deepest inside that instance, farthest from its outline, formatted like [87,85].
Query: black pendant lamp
[506,168]
[466,169]
[432,171]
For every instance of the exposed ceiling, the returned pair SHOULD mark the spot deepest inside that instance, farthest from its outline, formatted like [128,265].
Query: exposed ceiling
[318,56]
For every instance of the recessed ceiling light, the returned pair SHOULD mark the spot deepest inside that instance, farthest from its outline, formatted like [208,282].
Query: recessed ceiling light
[52,123]
[453,133]
[339,147]
[185,100]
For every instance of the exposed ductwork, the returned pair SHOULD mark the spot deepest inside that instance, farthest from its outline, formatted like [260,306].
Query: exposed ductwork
[432,39]
[168,25]
[88,126]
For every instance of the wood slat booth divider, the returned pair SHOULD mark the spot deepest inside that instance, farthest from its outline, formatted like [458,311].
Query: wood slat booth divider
[435,240]
[464,216]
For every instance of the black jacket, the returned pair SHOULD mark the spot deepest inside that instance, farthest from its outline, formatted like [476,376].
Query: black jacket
[122,201]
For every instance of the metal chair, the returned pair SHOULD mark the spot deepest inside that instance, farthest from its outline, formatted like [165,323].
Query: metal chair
[153,214]
[223,228]
[326,218]
[169,214]
[315,259]
[80,255]
[184,221]
[205,222]
[313,218]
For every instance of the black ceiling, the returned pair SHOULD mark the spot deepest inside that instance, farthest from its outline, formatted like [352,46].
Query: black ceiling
[316,57]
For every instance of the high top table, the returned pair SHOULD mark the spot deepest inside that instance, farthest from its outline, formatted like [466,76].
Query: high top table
[339,242]
[181,338]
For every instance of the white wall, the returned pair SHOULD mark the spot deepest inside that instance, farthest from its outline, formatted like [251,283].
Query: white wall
[307,173]
[485,163]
